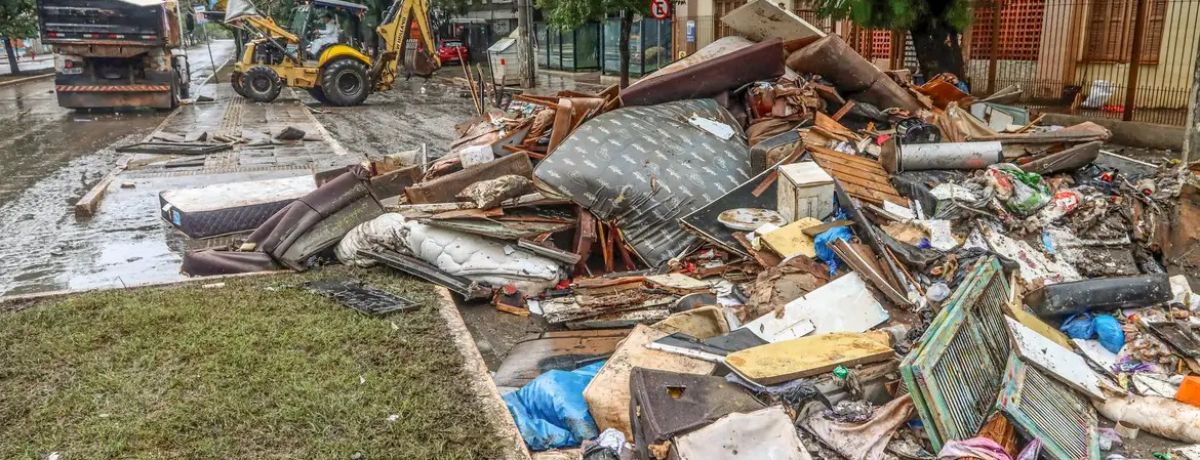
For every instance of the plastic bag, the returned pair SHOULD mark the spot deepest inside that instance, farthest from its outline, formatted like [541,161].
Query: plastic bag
[822,245]
[1022,192]
[1101,91]
[1080,326]
[550,410]
[1109,333]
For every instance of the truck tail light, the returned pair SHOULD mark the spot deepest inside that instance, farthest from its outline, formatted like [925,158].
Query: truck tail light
[68,64]
[150,37]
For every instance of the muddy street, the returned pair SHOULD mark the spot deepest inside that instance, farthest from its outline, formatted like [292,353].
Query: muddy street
[51,159]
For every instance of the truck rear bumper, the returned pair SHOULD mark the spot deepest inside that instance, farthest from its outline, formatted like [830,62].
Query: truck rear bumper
[81,93]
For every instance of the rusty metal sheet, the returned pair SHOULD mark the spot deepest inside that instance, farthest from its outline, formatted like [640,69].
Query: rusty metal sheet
[862,178]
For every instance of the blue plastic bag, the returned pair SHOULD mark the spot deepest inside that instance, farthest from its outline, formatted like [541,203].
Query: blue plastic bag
[1080,326]
[550,411]
[1109,333]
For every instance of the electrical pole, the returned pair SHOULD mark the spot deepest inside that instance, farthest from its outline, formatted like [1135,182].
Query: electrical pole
[525,44]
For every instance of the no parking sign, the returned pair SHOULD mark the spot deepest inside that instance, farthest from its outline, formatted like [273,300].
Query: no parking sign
[660,9]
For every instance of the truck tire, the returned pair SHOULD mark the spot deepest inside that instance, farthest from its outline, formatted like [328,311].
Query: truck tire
[345,82]
[317,93]
[261,84]
[235,80]
[185,87]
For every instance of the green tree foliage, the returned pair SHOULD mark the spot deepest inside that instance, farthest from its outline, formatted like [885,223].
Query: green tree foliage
[572,14]
[935,26]
[18,19]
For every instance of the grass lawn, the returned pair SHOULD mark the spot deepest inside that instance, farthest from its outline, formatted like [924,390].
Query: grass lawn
[257,369]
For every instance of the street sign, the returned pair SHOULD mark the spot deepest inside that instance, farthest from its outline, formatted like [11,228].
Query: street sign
[200,17]
[691,31]
[660,9]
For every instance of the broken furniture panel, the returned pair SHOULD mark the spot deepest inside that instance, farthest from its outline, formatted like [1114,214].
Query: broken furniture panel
[1045,409]
[779,362]
[444,189]
[712,349]
[668,404]
[851,73]
[644,167]
[760,21]
[174,148]
[1060,363]
[608,395]
[954,372]
[556,350]
[856,310]
[704,223]
[361,297]
[862,178]
[1179,335]
[766,434]
[511,230]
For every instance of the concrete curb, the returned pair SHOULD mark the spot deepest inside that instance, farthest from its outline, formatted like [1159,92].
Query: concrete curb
[22,80]
[481,381]
[28,299]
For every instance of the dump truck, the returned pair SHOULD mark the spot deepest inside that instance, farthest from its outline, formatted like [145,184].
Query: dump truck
[115,54]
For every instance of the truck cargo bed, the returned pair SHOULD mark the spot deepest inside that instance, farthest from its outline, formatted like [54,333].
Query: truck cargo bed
[76,21]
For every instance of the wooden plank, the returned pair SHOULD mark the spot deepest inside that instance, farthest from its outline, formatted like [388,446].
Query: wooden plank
[843,111]
[445,188]
[86,206]
[767,259]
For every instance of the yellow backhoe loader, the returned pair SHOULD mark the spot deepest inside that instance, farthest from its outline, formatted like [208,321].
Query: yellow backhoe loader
[321,52]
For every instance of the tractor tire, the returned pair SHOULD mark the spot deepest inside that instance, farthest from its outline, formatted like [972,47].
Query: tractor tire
[235,80]
[345,82]
[317,93]
[261,84]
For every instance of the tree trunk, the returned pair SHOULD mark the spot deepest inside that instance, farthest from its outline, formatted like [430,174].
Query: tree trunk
[938,49]
[12,56]
[626,28]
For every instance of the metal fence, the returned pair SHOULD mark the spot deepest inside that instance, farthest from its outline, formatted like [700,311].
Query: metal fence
[1069,56]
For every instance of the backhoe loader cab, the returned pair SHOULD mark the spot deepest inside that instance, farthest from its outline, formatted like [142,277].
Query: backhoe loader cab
[322,52]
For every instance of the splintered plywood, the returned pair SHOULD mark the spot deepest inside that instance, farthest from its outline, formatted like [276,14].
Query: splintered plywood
[806,356]
[862,178]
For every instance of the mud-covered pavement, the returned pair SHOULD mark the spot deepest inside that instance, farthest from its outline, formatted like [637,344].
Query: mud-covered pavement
[49,158]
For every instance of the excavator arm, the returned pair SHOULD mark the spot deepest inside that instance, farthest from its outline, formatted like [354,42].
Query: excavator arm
[396,24]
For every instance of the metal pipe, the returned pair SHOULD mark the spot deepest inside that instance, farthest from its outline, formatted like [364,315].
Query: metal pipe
[946,155]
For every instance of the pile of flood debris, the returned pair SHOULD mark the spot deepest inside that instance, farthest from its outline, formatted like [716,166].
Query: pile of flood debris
[772,249]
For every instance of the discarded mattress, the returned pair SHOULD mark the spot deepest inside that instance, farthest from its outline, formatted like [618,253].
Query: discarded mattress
[646,167]
[302,229]
[767,434]
[221,209]
[669,404]
[473,257]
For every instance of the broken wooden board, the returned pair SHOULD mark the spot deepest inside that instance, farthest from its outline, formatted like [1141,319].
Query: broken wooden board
[574,308]
[608,394]
[806,356]
[678,283]
[1031,321]
[862,178]
[444,189]
[863,261]
[790,240]
[1060,363]
[843,305]
[759,21]
[549,252]
[499,230]
[559,350]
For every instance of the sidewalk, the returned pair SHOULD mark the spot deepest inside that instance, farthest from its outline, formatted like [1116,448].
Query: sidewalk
[24,64]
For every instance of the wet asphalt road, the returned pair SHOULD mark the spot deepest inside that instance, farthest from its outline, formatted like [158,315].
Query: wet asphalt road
[49,158]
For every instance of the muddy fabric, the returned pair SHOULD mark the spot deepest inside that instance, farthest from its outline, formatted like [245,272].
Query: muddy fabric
[490,193]
[210,262]
[862,441]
